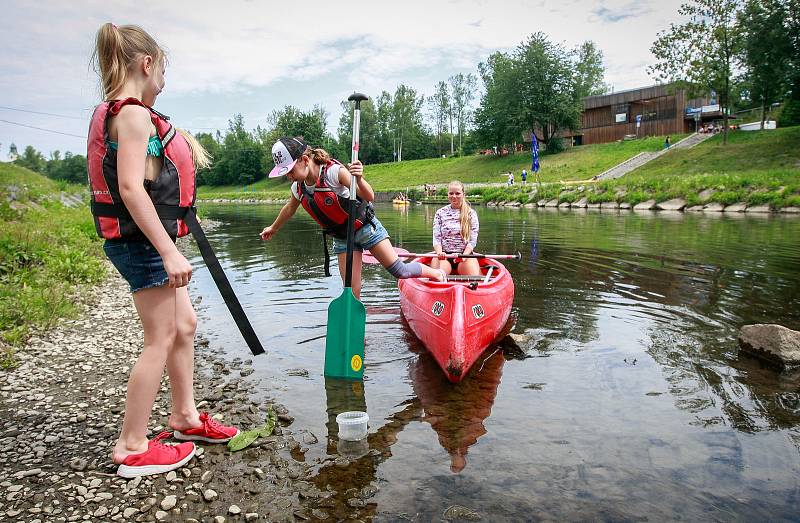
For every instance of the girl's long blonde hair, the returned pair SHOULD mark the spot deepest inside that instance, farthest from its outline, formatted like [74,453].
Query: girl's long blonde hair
[465,216]
[116,50]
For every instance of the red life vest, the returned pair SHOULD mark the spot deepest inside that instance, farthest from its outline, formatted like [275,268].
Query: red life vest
[329,209]
[172,190]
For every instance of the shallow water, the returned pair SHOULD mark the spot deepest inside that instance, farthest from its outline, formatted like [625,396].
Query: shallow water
[629,403]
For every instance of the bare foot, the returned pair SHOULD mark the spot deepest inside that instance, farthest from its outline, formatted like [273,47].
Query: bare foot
[121,451]
[178,422]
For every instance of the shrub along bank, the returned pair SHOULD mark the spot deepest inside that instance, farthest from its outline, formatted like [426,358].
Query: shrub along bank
[47,252]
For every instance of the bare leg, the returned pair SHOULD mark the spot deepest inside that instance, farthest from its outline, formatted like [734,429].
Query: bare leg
[156,307]
[469,267]
[180,365]
[356,276]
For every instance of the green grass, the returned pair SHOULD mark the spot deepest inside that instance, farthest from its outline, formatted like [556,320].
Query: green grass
[758,168]
[578,163]
[47,251]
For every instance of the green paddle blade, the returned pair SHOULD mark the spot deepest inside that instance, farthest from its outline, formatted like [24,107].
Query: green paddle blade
[344,341]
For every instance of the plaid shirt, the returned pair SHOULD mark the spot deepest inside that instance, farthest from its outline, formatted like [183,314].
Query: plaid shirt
[447,229]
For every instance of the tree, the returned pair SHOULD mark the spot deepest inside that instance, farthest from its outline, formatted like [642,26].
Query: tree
[405,117]
[535,89]
[207,176]
[32,159]
[462,92]
[369,139]
[545,81]
[766,50]
[701,53]
[495,118]
[241,156]
[439,107]
[791,110]
[589,71]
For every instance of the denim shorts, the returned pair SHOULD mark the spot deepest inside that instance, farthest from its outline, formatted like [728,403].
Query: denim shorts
[138,262]
[365,238]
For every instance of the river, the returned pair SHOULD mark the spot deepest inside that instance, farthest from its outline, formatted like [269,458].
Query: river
[628,402]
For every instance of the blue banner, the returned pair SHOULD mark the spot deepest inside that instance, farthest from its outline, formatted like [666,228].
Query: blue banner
[534,154]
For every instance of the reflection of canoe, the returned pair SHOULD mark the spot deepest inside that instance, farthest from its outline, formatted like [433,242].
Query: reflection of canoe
[457,320]
[457,412]
[398,201]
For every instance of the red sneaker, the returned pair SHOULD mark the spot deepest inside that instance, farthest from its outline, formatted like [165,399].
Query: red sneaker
[157,459]
[211,431]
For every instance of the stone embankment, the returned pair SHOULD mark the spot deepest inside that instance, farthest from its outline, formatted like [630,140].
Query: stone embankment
[61,410]
[676,204]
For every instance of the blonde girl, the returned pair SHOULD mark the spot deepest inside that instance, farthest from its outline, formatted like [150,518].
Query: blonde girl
[455,231]
[140,169]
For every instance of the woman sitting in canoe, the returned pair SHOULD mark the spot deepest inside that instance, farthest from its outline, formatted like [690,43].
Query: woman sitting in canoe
[322,186]
[455,231]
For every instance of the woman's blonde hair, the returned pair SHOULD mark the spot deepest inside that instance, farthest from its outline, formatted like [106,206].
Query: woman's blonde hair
[116,50]
[464,215]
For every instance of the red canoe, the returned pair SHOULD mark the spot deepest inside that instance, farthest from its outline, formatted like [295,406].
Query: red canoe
[457,320]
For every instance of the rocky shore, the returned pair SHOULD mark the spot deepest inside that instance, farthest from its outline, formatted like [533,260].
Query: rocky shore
[61,409]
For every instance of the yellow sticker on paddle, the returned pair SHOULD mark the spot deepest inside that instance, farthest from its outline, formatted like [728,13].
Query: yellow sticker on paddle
[355,363]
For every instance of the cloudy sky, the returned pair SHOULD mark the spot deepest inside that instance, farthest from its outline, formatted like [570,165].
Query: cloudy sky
[252,57]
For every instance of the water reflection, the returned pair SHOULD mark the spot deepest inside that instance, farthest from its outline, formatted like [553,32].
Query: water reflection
[456,411]
[635,405]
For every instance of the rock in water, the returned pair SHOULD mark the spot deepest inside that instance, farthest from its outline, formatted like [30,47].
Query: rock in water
[773,343]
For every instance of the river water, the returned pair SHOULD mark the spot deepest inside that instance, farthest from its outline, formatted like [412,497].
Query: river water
[627,402]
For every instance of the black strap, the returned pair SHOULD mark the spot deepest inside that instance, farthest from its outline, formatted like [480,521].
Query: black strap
[327,254]
[223,284]
[188,215]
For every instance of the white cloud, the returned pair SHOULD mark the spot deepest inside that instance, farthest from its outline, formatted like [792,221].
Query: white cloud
[218,51]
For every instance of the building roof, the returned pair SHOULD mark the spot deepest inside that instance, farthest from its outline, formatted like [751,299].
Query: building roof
[630,95]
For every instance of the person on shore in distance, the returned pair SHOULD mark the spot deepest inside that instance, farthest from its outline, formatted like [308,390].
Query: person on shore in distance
[455,231]
[322,186]
[136,159]
[510,179]
[524,177]
[666,142]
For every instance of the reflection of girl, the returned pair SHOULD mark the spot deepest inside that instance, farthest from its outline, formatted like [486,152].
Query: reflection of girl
[136,160]
[455,230]
[321,186]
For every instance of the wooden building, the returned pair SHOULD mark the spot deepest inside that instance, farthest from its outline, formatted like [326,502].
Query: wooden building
[649,111]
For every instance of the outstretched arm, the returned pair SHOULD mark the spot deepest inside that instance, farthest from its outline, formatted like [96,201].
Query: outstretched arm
[287,211]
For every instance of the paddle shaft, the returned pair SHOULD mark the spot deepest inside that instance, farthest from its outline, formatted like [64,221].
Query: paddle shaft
[348,273]
[454,256]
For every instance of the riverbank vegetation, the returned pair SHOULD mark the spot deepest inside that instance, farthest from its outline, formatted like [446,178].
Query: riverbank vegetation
[578,163]
[48,250]
[757,168]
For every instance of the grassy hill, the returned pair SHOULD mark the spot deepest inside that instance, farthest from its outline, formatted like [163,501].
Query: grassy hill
[577,163]
[757,167]
[47,251]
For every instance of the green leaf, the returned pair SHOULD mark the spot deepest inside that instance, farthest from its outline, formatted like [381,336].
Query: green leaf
[246,438]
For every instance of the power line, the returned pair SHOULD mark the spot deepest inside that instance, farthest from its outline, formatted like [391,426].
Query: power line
[46,114]
[43,129]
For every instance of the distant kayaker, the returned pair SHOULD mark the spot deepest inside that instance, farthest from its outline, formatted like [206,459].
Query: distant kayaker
[136,160]
[322,186]
[455,231]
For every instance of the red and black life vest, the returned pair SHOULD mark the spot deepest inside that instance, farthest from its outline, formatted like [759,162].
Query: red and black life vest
[173,192]
[329,209]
